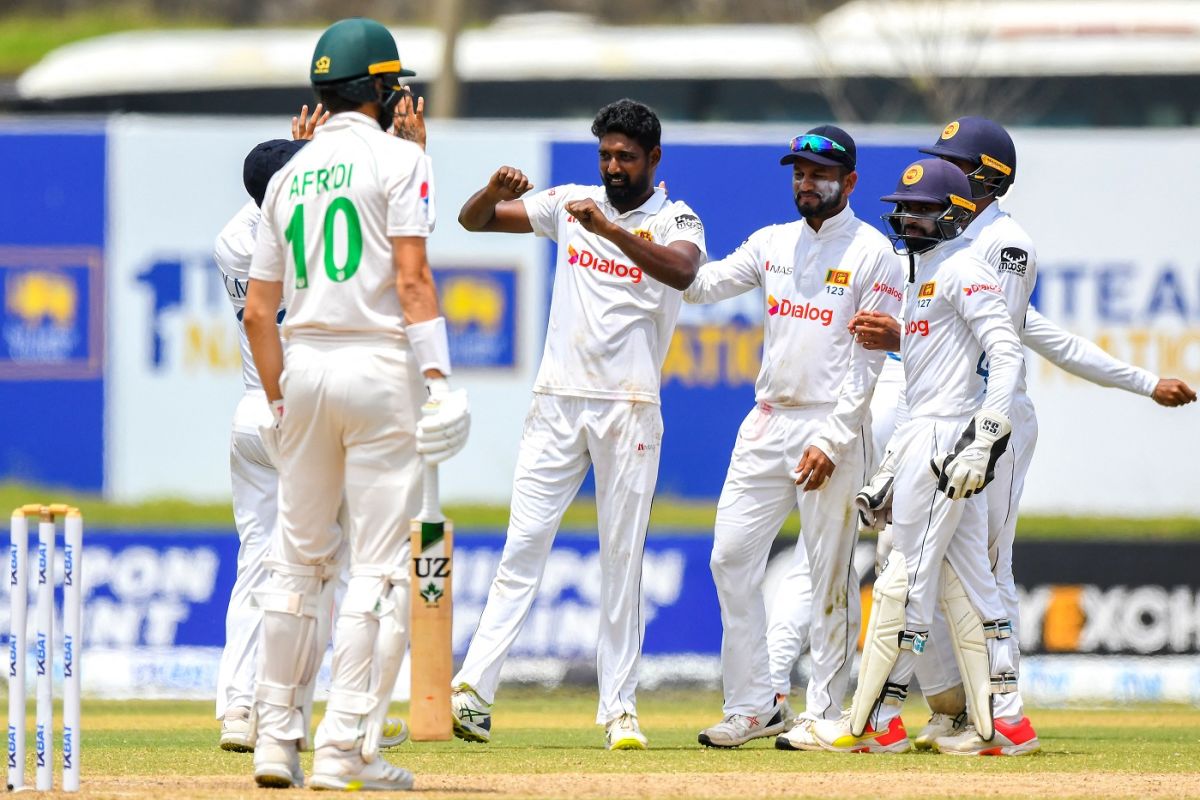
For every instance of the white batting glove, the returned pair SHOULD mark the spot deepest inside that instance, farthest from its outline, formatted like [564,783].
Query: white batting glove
[269,434]
[445,422]
[971,465]
[874,501]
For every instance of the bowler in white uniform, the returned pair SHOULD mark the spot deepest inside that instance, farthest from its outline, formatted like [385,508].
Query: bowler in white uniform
[625,254]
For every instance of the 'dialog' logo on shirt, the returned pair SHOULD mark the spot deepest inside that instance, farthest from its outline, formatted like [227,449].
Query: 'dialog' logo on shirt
[582,257]
[808,311]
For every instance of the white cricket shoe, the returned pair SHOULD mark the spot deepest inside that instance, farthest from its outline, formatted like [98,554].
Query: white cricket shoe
[345,770]
[623,733]
[472,716]
[277,763]
[235,730]
[1010,739]
[737,729]
[394,733]
[940,725]
[799,737]
[835,736]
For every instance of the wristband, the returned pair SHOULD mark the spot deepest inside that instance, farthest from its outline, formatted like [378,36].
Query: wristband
[430,344]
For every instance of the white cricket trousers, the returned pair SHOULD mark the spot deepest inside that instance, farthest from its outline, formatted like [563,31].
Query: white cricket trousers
[349,426]
[759,492]
[937,670]
[563,436]
[255,484]
[791,607]
[929,528]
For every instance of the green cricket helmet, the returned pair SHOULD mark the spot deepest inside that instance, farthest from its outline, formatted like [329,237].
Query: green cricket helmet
[351,54]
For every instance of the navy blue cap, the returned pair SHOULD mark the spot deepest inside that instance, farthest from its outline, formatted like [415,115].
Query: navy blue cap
[973,138]
[264,161]
[828,145]
[932,180]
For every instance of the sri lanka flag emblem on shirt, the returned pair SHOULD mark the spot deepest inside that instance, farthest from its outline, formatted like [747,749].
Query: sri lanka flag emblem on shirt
[838,277]
[927,289]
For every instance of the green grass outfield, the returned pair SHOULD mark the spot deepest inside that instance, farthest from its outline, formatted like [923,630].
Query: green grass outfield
[546,745]
[667,515]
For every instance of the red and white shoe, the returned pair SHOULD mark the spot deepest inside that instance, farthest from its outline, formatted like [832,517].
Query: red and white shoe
[1011,739]
[834,735]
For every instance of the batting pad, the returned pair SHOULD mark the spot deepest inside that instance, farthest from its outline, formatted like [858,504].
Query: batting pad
[970,650]
[881,648]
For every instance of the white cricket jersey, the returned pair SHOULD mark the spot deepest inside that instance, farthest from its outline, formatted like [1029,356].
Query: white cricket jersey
[1083,358]
[813,282]
[997,238]
[610,323]
[232,253]
[953,313]
[326,221]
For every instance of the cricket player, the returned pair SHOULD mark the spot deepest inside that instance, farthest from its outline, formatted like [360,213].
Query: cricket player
[804,442]
[625,254]
[342,241]
[941,457]
[791,605]
[254,478]
[984,151]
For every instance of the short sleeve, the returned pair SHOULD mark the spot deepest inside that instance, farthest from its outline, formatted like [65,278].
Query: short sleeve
[409,188]
[543,209]
[679,223]
[268,264]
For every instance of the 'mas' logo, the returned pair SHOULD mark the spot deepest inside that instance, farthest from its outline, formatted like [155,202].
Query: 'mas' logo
[810,311]
[588,260]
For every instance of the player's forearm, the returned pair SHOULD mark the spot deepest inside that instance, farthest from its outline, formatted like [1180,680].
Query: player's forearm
[418,295]
[479,210]
[854,398]
[262,333]
[667,265]
[713,284]
[1006,362]
[414,279]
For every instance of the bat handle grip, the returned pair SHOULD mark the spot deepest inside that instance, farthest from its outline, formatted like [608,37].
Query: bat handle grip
[431,507]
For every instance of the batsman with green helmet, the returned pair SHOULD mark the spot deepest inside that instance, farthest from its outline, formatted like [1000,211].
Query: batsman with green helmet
[342,240]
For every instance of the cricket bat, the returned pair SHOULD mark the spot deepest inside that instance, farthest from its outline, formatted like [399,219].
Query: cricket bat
[430,619]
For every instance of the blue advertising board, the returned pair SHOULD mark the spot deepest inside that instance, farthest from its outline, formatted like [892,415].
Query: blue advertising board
[480,307]
[155,604]
[709,371]
[52,306]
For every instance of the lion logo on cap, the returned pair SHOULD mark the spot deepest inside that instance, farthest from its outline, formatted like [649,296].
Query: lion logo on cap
[949,131]
[912,175]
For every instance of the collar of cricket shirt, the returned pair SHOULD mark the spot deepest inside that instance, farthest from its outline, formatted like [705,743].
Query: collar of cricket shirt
[832,226]
[985,218]
[653,204]
[347,119]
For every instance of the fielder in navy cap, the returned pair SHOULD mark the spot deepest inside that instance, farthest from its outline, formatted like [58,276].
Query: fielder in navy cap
[825,144]
[264,161]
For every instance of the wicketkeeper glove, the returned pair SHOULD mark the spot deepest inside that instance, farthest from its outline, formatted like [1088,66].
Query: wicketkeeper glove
[874,501]
[445,422]
[269,434]
[971,465]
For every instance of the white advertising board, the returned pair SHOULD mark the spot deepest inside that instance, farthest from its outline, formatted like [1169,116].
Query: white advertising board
[174,374]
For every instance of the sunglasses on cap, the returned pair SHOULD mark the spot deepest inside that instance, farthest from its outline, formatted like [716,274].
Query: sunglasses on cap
[816,144]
